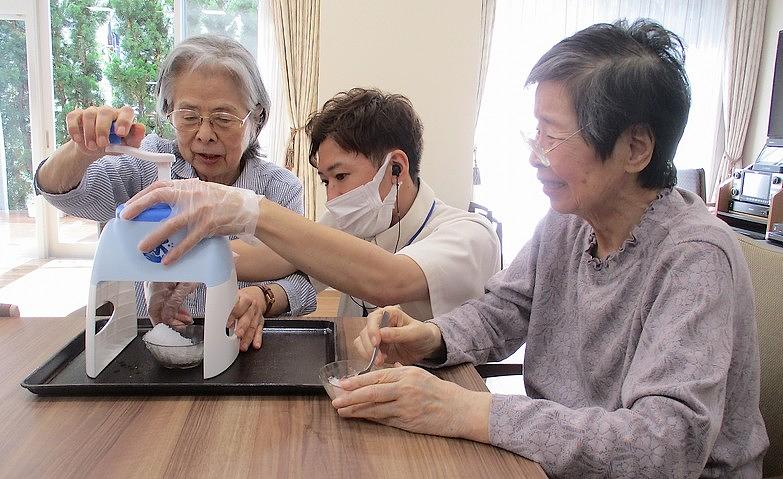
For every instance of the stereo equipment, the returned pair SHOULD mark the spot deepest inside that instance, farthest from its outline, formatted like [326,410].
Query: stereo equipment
[752,191]
[770,160]
[775,234]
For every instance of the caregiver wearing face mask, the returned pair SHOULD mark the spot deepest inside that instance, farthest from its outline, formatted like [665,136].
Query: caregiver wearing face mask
[385,239]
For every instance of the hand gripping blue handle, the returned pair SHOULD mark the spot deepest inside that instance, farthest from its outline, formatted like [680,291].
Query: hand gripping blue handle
[113,138]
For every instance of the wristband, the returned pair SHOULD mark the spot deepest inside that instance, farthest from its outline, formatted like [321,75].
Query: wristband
[269,297]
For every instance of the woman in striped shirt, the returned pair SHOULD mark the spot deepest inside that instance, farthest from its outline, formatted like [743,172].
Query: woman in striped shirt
[208,78]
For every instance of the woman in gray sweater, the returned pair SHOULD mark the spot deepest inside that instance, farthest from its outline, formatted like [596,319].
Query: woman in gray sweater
[635,303]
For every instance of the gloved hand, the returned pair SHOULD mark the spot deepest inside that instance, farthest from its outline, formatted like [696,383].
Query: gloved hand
[205,208]
[164,303]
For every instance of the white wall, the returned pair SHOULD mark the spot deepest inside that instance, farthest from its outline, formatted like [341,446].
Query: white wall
[427,50]
[759,121]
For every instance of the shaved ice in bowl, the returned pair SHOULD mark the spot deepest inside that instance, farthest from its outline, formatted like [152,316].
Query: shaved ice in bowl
[175,349]
[331,374]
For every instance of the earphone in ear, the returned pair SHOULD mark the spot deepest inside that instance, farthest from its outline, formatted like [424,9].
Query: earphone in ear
[396,169]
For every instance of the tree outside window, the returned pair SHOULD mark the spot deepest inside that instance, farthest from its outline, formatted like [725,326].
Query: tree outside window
[14,115]
[104,51]
[108,53]
[76,58]
[143,28]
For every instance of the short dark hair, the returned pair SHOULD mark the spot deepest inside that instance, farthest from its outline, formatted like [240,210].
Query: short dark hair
[369,122]
[619,76]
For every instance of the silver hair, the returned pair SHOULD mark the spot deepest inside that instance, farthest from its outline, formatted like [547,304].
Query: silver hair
[209,51]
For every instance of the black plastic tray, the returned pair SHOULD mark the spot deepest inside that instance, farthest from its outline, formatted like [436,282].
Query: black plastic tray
[287,363]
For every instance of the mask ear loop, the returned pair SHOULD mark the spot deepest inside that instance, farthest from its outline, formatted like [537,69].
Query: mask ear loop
[365,311]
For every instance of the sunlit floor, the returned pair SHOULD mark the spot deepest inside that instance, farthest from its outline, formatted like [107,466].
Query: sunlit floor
[47,288]
[17,240]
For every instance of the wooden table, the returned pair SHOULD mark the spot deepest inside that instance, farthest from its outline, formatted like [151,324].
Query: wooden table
[213,436]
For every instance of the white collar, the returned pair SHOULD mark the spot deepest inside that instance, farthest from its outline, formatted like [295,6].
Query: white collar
[411,223]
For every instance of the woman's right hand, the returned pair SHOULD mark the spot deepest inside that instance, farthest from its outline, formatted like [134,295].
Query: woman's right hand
[89,128]
[89,132]
[406,340]
[205,208]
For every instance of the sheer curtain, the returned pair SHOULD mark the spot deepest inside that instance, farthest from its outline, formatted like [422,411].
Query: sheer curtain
[487,22]
[525,30]
[297,31]
[275,133]
[745,33]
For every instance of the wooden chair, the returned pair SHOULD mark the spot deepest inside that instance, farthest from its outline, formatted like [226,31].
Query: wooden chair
[493,370]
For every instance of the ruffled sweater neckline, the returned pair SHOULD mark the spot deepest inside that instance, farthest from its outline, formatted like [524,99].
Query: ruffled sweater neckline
[645,223]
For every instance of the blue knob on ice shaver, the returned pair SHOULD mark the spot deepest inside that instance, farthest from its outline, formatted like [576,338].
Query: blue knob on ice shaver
[156,214]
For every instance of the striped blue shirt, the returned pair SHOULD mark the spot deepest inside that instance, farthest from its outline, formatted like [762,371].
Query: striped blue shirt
[112,180]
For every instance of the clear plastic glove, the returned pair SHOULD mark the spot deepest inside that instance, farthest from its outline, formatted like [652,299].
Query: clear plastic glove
[204,208]
[164,303]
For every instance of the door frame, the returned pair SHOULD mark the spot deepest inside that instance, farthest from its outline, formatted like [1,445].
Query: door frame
[38,43]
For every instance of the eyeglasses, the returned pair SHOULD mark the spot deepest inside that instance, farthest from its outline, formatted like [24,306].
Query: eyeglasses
[188,120]
[539,151]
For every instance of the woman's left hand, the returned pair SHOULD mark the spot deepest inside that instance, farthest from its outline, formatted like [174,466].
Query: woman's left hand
[412,399]
[247,317]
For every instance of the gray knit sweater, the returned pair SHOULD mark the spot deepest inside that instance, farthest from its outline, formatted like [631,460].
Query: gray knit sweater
[643,364]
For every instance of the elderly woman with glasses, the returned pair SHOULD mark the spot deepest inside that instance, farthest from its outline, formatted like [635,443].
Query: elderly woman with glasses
[635,303]
[210,90]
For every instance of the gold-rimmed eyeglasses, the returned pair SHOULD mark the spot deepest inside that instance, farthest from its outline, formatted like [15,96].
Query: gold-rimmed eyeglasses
[541,153]
[183,119]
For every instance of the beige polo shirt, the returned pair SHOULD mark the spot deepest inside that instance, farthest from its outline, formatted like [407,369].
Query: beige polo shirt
[457,251]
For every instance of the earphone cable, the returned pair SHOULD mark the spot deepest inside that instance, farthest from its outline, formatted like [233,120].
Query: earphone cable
[399,220]
[366,311]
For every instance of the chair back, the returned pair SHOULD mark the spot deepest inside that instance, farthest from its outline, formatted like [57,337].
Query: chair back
[9,310]
[692,180]
[766,269]
[487,213]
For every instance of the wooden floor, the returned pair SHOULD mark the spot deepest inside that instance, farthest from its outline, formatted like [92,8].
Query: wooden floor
[328,303]
[11,275]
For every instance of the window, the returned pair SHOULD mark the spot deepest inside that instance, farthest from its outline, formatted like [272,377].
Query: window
[17,223]
[525,30]
[251,24]
[235,19]
[103,52]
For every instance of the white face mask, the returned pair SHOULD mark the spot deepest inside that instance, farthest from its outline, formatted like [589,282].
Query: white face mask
[361,212]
